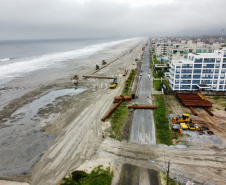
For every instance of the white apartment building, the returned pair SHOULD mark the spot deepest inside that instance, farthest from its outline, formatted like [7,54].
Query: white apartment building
[162,49]
[199,71]
[178,51]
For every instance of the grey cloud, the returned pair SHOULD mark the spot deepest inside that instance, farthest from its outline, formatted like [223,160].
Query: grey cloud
[95,18]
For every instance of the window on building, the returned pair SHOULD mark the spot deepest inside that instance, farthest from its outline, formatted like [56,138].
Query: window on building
[204,65]
[218,59]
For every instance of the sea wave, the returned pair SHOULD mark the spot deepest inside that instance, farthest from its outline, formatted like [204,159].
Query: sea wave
[14,69]
[5,59]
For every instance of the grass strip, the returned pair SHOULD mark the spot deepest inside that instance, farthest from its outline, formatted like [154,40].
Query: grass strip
[119,116]
[157,85]
[118,119]
[128,84]
[163,133]
[98,176]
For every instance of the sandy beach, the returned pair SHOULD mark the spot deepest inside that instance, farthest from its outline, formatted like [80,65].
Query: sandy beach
[65,133]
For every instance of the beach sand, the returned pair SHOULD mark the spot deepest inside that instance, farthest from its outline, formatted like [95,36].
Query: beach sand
[73,126]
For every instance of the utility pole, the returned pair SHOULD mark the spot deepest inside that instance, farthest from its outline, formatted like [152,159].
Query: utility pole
[168,173]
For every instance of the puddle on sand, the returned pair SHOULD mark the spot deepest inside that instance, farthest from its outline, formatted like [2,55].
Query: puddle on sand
[28,111]
[23,139]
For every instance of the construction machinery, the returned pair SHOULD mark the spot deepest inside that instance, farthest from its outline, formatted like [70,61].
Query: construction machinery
[104,62]
[97,67]
[75,77]
[114,83]
[182,119]
[188,126]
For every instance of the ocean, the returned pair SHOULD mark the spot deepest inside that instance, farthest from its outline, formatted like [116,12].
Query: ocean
[19,57]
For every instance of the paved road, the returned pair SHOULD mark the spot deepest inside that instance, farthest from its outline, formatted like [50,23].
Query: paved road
[143,127]
[134,175]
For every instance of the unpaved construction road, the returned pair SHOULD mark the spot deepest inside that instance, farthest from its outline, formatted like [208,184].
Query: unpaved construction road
[202,166]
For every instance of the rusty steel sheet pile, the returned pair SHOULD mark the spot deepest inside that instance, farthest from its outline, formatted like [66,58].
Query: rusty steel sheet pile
[193,100]
[193,111]
[208,111]
[111,111]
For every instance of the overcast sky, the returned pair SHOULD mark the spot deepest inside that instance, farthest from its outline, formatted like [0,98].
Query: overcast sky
[27,19]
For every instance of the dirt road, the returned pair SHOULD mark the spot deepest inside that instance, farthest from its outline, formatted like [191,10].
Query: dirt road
[202,166]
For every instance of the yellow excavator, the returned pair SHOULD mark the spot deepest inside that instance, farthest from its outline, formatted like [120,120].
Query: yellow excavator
[182,119]
[113,84]
[75,77]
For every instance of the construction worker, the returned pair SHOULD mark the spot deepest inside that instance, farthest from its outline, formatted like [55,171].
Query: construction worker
[103,134]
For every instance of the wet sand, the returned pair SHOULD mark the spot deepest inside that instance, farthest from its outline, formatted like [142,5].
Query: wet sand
[71,126]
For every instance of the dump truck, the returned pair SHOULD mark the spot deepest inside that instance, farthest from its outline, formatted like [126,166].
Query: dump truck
[188,126]
[182,119]
[113,84]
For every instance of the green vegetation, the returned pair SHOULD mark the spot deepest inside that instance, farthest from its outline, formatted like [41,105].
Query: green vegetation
[158,85]
[118,119]
[155,60]
[163,177]
[163,133]
[119,116]
[98,176]
[128,84]
[158,74]
[220,100]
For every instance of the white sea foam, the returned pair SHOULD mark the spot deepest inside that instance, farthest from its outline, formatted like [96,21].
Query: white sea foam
[4,59]
[16,68]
